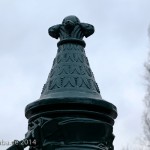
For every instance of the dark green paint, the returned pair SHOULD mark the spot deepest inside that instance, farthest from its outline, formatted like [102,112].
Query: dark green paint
[70,113]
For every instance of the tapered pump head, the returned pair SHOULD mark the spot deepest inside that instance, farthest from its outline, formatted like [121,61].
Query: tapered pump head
[71,92]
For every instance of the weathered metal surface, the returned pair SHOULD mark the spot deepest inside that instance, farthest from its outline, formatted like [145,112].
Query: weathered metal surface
[70,113]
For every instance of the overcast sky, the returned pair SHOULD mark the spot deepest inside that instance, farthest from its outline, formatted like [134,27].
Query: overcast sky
[116,52]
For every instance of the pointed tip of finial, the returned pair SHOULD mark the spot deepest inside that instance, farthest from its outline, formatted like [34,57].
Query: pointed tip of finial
[71,18]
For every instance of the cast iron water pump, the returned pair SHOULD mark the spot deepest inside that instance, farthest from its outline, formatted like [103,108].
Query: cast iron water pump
[70,113]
